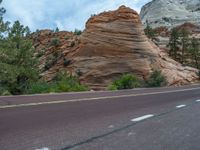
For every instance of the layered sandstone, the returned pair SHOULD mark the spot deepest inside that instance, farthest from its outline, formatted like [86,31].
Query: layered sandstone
[113,44]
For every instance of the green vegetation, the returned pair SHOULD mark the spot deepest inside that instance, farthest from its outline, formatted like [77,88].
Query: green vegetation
[184,49]
[129,81]
[194,51]
[150,33]
[61,83]
[66,62]
[56,30]
[2,10]
[174,43]
[126,81]
[156,79]
[17,62]
[55,42]
[77,32]
[19,72]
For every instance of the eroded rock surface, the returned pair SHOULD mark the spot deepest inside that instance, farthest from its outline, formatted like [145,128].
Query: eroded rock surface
[114,43]
[171,13]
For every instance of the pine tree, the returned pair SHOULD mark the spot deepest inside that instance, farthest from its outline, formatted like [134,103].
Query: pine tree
[184,34]
[149,31]
[17,61]
[2,10]
[194,50]
[174,43]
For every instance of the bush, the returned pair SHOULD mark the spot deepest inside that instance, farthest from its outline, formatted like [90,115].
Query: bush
[127,81]
[66,62]
[61,83]
[77,32]
[40,53]
[55,42]
[50,62]
[156,79]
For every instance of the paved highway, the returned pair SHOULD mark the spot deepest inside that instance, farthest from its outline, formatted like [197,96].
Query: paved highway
[140,119]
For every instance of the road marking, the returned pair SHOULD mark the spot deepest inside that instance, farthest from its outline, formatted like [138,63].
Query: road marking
[45,148]
[111,126]
[180,106]
[142,118]
[91,99]
[198,100]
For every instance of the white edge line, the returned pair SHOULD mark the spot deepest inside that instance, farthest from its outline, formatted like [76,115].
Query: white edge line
[142,118]
[198,100]
[45,148]
[90,99]
[180,106]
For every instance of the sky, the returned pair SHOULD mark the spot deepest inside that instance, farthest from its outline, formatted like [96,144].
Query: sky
[64,14]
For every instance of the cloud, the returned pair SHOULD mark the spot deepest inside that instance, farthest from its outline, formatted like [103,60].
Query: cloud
[64,14]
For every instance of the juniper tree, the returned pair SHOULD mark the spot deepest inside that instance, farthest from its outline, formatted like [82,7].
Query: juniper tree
[174,43]
[194,50]
[184,34]
[149,31]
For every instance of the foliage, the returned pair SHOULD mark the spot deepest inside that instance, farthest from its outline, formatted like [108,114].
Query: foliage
[61,83]
[66,62]
[150,33]
[57,30]
[126,81]
[194,50]
[174,43]
[17,63]
[156,79]
[184,35]
[77,32]
[2,10]
[55,42]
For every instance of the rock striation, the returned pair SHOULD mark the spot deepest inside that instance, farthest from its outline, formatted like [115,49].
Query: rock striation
[171,13]
[113,44]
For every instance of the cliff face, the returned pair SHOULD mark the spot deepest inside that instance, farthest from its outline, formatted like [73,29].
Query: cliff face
[114,43]
[171,13]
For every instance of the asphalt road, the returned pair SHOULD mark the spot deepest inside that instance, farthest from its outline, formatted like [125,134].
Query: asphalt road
[141,119]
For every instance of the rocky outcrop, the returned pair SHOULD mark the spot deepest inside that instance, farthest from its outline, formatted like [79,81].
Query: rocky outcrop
[114,43]
[171,13]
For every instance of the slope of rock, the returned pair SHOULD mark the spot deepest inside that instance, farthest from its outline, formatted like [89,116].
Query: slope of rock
[114,43]
[171,12]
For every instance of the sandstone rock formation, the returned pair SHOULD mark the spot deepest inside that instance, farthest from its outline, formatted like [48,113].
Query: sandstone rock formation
[114,43]
[171,13]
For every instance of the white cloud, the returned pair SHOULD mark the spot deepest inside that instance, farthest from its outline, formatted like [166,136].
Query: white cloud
[65,14]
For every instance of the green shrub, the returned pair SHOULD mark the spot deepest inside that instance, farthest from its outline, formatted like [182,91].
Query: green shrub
[79,72]
[77,32]
[62,82]
[39,87]
[40,53]
[66,62]
[156,79]
[127,81]
[55,42]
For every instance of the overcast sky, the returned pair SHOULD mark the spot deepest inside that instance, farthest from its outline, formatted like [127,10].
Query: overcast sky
[64,14]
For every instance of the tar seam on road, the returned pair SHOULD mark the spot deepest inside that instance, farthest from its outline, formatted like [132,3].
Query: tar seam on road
[89,140]
[90,99]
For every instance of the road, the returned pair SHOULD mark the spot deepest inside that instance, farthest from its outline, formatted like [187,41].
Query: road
[140,119]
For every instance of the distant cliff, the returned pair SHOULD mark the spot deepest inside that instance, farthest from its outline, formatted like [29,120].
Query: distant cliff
[171,13]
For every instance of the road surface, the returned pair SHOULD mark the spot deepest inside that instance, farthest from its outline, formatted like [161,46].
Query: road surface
[140,119]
